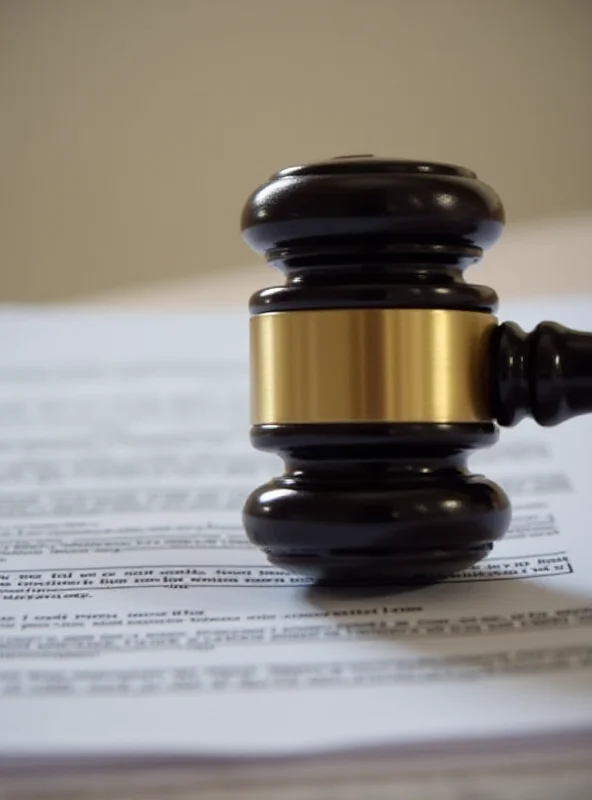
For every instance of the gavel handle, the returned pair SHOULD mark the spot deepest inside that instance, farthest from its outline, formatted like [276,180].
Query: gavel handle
[545,374]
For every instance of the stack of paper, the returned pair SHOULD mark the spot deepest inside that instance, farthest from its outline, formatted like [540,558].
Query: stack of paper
[148,650]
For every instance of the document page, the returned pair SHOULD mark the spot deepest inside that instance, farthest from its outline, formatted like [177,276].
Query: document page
[137,619]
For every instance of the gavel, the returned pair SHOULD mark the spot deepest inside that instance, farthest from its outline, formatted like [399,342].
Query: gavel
[376,369]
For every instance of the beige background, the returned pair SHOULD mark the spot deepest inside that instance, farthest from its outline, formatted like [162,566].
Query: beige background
[133,130]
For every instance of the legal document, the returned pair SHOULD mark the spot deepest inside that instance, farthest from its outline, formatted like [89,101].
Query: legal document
[136,619]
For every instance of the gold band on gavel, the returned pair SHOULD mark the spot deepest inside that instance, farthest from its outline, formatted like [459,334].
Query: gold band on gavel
[370,365]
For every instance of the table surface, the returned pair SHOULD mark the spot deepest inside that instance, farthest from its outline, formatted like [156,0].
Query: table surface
[543,257]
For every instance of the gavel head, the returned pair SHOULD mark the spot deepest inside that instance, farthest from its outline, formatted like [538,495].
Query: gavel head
[369,370]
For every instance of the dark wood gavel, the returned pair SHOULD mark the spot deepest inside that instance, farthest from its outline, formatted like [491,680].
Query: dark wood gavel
[376,369]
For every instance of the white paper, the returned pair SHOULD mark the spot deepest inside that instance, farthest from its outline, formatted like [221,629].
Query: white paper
[135,618]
